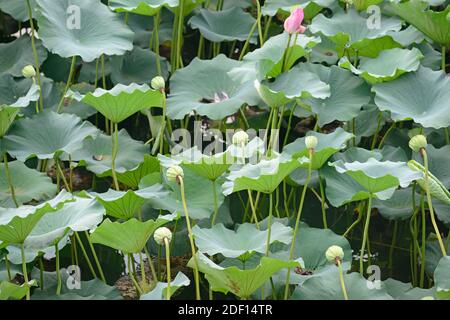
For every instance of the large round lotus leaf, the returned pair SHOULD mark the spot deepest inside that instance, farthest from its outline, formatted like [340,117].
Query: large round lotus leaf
[124,205]
[205,87]
[325,51]
[294,84]
[207,166]
[226,25]
[200,204]
[242,283]
[389,65]
[160,291]
[350,31]
[269,58]
[421,96]
[93,289]
[121,101]
[442,278]
[399,207]
[364,121]
[328,144]
[437,163]
[348,94]
[408,36]
[272,7]
[264,176]
[47,135]
[18,54]
[17,93]
[376,176]
[96,152]
[71,29]
[83,214]
[151,7]
[11,291]
[17,9]
[17,223]
[405,291]
[233,244]
[327,286]
[433,24]
[128,237]
[28,184]
[132,177]
[137,66]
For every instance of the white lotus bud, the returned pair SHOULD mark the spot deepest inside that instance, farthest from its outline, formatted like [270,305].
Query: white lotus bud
[240,138]
[418,142]
[161,234]
[29,71]
[311,142]
[174,172]
[333,253]
[158,83]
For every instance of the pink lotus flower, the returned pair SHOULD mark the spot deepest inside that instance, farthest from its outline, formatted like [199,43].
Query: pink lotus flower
[293,23]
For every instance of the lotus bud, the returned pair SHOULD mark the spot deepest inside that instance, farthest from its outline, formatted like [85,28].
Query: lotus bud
[334,253]
[161,234]
[293,24]
[311,142]
[158,83]
[29,71]
[240,138]
[418,142]
[174,172]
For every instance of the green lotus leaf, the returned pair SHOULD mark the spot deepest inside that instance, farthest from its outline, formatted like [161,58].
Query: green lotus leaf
[11,291]
[226,25]
[399,207]
[376,176]
[389,65]
[269,58]
[294,84]
[82,214]
[205,86]
[350,32]
[200,204]
[361,5]
[160,291]
[421,96]
[28,184]
[124,205]
[96,152]
[407,36]
[137,66]
[93,289]
[272,7]
[208,166]
[437,163]
[18,54]
[17,223]
[70,29]
[325,51]
[151,7]
[46,135]
[433,24]
[328,144]
[328,287]
[405,291]
[17,93]
[442,278]
[121,101]
[432,58]
[129,236]
[233,244]
[17,9]
[347,94]
[264,176]
[241,283]
[365,124]
[132,177]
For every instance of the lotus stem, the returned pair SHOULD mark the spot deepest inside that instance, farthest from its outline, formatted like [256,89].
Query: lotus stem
[115,146]
[424,242]
[155,36]
[143,277]
[41,273]
[341,278]
[8,268]
[443,54]
[179,35]
[365,235]
[258,19]
[269,224]
[152,267]
[94,254]
[267,24]
[322,204]
[252,205]
[247,41]
[131,275]
[288,51]
[216,206]
[354,224]
[58,271]
[191,239]
[61,173]
[86,257]
[388,132]
[167,246]
[430,204]
[288,131]
[375,136]
[297,221]
[24,269]
[9,179]
[68,84]
[35,54]
[391,249]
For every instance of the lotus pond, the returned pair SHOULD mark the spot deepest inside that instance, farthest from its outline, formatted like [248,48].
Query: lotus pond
[224,149]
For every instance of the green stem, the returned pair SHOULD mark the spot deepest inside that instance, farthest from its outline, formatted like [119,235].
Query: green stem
[216,206]
[391,249]
[94,254]
[143,277]
[289,124]
[322,204]
[58,271]
[269,224]
[191,240]
[115,145]
[258,20]
[365,235]
[179,33]
[252,205]
[155,36]
[375,136]
[41,273]
[247,42]
[341,278]
[24,269]
[424,241]
[167,245]
[68,84]
[388,132]
[85,255]
[9,179]
[288,51]
[61,173]
[443,52]
[8,268]
[267,27]
[150,262]
[131,275]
